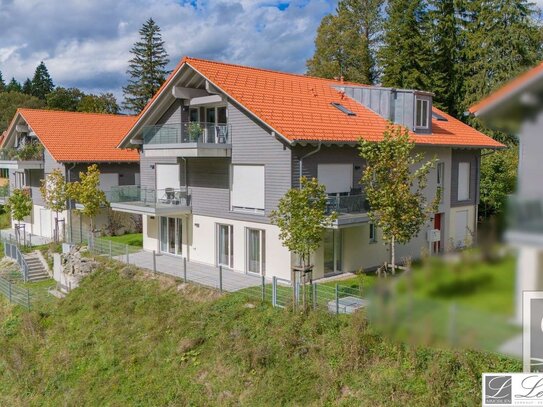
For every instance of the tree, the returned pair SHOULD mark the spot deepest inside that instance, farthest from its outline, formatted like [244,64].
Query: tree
[147,67]
[87,192]
[103,103]
[498,179]
[19,205]
[13,86]
[346,42]
[302,218]
[405,54]
[394,180]
[27,87]
[2,83]
[42,84]
[64,99]
[55,195]
[11,101]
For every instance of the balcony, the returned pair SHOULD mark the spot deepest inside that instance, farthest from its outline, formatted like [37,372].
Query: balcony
[145,201]
[524,220]
[189,139]
[351,209]
[26,157]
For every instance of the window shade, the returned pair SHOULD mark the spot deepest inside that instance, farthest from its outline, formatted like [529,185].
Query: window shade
[335,177]
[248,186]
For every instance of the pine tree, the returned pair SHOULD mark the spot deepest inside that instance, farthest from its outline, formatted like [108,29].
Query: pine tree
[346,42]
[446,46]
[2,83]
[405,55]
[13,86]
[42,84]
[147,68]
[27,87]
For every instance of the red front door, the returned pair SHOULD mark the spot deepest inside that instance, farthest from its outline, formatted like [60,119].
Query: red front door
[437,225]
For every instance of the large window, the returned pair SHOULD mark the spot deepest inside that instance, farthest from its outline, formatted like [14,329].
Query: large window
[248,188]
[422,116]
[225,245]
[171,235]
[255,251]
[463,181]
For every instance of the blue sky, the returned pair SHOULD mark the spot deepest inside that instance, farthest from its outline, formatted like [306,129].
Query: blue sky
[86,43]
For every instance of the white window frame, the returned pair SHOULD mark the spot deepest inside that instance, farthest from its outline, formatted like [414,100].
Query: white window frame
[440,178]
[230,245]
[262,264]
[460,193]
[418,112]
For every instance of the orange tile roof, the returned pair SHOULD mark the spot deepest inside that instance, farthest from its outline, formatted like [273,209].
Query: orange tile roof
[298,107]
[80,137]
[508,88]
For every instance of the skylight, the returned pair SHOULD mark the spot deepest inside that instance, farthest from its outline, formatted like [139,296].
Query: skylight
[343,109]
[439,117]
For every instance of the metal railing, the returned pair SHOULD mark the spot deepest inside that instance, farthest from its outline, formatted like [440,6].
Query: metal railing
[12,251]
[346,204]
[15,294]
[525,214]
[149,197]
[188,132]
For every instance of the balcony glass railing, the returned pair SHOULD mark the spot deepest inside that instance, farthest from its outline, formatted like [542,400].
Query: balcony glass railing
[191,132]
[27,152]
[525,214]
[346,204]
[149,197]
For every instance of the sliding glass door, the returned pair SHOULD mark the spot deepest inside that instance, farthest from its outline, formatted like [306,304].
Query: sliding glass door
[171,235]
[225,249]
[255,249]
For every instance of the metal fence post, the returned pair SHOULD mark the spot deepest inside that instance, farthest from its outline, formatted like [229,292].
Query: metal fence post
[263,289]
[220,279]
[154,262]
[274,291]
[337,299]
[30,239]
[184,269]
[110,250]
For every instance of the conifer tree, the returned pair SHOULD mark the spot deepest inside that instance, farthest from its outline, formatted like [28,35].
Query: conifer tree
[13,86]
[346,42]
[2,83]
[42,84]
[405,55]
[147,68]
[27,87]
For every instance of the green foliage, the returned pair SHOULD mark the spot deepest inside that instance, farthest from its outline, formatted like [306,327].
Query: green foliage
[498,179]
[87,192]
[302,218]
[42,84]
[27,152]
[11,101]
[131,239]
[19,204]
[27,87]
[2,83]
[103,103]
[160,346]
[64,99]
[346,42]
[147,67]
[13,86]
[394,180]
[54,191]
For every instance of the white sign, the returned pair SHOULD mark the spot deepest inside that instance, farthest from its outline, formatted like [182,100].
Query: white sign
[433,235]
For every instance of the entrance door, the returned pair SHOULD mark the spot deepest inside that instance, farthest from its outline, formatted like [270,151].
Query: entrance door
[225,250]
[332,251]
[437,225]
[255,246]
[171,235]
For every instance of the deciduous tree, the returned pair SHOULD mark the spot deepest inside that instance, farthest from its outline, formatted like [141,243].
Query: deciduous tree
[19,205]
[11,101]
[67,99]
[104,103]
[55,195]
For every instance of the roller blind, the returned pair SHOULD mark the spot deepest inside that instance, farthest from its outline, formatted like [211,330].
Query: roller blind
[167,176]
[463,181]
[335,177]
[248,187]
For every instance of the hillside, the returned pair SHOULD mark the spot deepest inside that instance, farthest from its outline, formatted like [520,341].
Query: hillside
[124,338]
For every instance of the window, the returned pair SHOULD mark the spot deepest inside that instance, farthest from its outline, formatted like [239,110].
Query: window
[337,178]
[373,233]
[441,178]
[463,181]
[225,245]
[247,192]
[421,113]
[343,109]
[255,251]
[194,116]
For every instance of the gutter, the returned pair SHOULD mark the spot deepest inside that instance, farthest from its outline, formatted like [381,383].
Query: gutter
[302,161]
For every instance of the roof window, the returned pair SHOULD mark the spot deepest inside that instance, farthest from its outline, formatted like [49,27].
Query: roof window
[343,109]
[439,117]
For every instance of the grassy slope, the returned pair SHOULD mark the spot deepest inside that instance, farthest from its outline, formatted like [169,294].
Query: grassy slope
[131,239]
[123,339]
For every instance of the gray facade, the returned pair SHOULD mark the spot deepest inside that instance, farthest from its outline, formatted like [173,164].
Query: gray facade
[473,157]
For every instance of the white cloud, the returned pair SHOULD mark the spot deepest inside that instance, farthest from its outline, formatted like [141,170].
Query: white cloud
[86,43]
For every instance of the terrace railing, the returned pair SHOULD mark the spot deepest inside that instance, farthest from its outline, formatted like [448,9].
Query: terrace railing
[149,197]
[346,204]
[188,132]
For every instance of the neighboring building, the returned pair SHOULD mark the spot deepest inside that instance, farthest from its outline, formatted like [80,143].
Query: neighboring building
[518,108]
[39,141]
[221,144]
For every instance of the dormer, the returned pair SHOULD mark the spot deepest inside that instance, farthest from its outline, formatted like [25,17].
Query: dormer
[409,108]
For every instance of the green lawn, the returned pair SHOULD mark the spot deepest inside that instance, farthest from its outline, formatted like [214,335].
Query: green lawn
[131,239]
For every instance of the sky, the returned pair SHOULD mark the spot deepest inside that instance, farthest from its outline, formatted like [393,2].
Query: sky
[86,43]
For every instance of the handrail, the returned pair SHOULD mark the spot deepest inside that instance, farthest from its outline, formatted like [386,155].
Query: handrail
[12,250]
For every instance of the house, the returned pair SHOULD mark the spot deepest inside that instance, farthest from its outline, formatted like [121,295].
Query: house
[40,141]
[220,144]
[517,108]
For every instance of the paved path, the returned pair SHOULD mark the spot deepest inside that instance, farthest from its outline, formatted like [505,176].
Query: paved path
[196,272]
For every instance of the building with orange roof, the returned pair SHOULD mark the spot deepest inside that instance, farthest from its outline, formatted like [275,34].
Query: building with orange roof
[517,107]
[40,141]
[222,143]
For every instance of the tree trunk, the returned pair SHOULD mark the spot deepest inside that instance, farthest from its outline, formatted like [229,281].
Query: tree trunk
[392,255]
